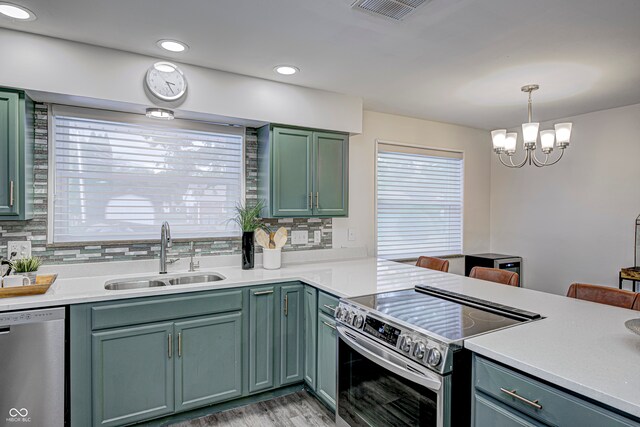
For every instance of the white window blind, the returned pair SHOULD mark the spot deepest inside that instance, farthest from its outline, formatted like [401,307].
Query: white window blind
[119,176]
[419,202]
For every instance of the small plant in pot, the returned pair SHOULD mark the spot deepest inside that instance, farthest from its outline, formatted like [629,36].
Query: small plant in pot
[27,267]
[248,219]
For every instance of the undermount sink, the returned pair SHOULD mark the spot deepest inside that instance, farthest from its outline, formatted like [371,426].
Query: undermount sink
[196,278]
[153,282]
[133,284]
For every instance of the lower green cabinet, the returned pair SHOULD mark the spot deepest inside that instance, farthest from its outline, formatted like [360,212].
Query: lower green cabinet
[291,334]
[208,360]
[310,335]
[489,412]
[261,338]
[327,363]
[132,374]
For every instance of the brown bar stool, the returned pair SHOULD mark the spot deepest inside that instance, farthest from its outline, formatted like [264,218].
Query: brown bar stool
[636,305]
[495,275]
[604,295]
[433,263]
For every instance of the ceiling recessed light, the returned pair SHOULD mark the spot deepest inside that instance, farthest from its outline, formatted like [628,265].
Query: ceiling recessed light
[286,70]
[16,12]
[159,113]
[172,45]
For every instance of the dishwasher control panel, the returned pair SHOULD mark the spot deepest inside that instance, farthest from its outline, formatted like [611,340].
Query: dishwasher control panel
[31,316]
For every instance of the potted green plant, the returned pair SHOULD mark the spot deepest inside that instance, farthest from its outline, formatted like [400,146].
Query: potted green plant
[27,267]
[248,219]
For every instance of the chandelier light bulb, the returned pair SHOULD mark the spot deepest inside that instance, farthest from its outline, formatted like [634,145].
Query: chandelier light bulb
[530,132]
[498,136]
[547,138]
[563,133]
[510,142]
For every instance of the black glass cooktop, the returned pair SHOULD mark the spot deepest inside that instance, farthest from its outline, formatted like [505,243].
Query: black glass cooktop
[452,320]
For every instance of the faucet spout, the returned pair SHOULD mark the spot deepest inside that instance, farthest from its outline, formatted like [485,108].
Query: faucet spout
[165,242]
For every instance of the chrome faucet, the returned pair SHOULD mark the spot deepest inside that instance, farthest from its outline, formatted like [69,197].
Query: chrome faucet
[165,243]
[193,266]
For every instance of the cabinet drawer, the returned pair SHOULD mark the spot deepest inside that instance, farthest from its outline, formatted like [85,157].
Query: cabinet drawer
[555,406]
[327,303]
[146,311]
[488,412]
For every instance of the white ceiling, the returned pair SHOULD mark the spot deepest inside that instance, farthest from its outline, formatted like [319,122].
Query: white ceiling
[457,61]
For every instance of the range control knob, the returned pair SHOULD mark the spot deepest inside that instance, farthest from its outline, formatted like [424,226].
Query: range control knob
[434,357]
[347,315]
[419,350]
[405,343]
[358,321]
[338,313]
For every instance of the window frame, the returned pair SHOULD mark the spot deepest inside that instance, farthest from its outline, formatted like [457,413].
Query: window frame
[129,118]
[379,142]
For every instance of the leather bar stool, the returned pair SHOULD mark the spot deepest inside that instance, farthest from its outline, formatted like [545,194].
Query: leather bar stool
[504,277]
[604,295]
[433,263]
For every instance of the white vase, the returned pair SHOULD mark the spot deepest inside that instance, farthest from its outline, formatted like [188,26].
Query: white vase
[271,258]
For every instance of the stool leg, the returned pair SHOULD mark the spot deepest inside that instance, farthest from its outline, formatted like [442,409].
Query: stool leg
[619,280]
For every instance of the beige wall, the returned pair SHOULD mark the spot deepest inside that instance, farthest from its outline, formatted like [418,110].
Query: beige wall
[476,146]
[574,221]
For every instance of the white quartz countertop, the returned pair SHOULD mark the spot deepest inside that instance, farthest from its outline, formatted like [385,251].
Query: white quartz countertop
[581,346]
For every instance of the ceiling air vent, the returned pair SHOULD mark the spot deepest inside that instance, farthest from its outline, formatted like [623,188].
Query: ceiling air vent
[391,9]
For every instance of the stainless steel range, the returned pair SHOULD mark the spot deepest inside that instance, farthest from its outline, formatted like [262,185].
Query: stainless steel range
[401,360]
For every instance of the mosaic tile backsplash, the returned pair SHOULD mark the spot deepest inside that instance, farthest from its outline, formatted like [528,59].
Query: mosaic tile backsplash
[35,230]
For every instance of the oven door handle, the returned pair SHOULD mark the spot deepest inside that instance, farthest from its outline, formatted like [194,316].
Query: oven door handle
[380,356]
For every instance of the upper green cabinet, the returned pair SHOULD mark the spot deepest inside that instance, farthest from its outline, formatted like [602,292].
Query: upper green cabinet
[16,155]
[303,173]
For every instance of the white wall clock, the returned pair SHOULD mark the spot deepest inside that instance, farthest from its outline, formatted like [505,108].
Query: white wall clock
[166,81]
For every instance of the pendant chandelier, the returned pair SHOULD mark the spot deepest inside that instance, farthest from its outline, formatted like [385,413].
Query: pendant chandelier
[505,142]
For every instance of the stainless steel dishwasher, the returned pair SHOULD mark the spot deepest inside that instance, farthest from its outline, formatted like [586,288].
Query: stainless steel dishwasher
[32,349]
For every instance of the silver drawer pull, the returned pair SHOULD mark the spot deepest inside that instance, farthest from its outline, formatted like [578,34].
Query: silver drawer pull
[263,292]
[170,342]
[329,325]
[329,307]
[515,395]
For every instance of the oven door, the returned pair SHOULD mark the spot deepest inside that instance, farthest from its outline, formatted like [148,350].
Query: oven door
[376,387]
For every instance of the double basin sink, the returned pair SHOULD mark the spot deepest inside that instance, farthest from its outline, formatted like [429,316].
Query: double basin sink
[155,281]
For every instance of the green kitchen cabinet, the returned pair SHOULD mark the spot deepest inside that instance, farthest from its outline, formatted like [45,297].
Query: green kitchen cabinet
[261,338]
[330,181]
[310,335]
[208,360]
[132,374]
[505,397]
[303,172]
[327,363]
[16,155]
[291,334]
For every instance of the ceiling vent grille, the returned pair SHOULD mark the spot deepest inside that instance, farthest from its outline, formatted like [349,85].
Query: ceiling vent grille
[391,9]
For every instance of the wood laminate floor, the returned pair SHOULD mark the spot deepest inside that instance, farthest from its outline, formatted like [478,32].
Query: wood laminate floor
[298,409]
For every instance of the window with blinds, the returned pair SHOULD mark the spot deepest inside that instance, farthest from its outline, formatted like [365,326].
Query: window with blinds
[419,202]
[119,176]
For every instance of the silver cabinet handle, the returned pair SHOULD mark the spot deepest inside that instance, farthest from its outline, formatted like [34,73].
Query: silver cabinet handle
[286,305]
[317,202]
[329,307]
[263,292]
[310,200]
[11,193]
[179,344]
[329,325]
[515,395]
[170,340]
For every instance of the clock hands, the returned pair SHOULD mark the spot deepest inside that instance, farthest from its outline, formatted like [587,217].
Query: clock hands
[169,84]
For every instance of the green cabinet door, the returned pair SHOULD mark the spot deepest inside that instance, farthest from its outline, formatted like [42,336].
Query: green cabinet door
[291,334]
[132,374]
[310,335]
[9,153]
[488,412]
[208,360]
[291,190]
[261,338]
[327,349]
[331,178]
